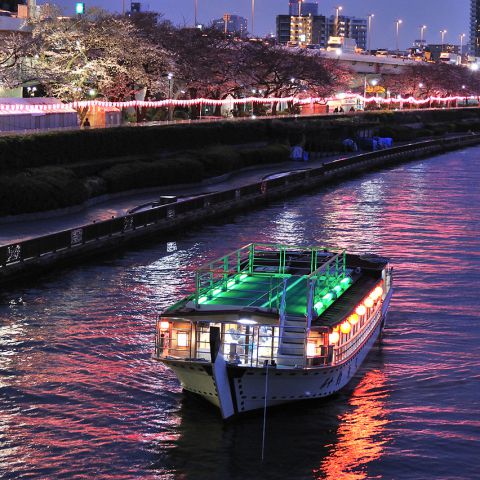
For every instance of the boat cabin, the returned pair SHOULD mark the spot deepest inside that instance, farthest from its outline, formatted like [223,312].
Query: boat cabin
[293,307]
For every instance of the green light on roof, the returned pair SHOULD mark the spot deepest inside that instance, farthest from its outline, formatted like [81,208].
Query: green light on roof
[338,288]
[243,276]
[230,283]
[345,280]
[202,299]
[318,305]
[216,291]
[327,297]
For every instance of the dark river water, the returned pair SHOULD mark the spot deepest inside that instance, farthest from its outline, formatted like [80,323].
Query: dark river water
[80,396]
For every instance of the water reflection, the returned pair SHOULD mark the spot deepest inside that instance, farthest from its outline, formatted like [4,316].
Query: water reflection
[361,434]
[343,434]
[79,394]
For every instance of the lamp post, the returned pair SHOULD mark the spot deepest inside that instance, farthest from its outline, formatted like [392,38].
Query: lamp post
[337,13]
[253,17]
[170,95]
[195,14]
[369,32]
[462,36]
[226,19]
[442,33]
[422,31]
[300,7]
[397,25]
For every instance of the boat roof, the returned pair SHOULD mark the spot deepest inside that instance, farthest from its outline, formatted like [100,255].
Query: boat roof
[259,280]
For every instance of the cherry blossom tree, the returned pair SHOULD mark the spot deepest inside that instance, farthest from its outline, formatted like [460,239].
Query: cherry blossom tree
[97,55]
[429,79]
[14,51]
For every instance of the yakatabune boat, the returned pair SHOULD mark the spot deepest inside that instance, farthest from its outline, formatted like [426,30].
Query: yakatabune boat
[270,324]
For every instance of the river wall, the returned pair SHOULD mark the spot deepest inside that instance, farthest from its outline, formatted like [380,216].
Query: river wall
[30,257]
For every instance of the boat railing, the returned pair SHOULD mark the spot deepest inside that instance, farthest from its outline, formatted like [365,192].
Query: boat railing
[326,283]
[258,259]
[265,292]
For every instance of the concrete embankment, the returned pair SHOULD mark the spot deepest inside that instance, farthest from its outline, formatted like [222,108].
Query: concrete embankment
[38,254]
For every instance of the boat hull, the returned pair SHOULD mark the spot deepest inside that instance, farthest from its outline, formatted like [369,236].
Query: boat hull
[289,385]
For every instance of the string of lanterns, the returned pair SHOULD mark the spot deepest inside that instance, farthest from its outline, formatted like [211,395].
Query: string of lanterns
[29,108]
[346,326]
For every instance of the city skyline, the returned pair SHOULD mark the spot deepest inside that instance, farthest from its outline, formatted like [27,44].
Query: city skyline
[437,15]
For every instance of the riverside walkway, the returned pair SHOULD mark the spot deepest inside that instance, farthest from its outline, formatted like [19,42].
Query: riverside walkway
[24,227]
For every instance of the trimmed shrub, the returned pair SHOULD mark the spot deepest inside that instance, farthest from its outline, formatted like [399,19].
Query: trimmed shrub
[266,155]
[40,189]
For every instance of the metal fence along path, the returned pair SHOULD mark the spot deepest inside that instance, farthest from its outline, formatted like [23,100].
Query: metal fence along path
[17,258]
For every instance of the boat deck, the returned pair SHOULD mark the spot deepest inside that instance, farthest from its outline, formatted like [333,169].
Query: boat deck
[264,292]
[268,279]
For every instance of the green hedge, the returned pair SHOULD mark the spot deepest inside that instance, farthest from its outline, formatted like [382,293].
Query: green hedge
[72,147]
[40,189]
[65,148]
[47,188]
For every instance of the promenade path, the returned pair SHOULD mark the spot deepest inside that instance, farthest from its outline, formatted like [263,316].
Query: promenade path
[18,229]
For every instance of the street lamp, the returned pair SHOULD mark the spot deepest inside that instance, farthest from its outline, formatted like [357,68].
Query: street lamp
[253,17]
[337,12]
[195,15]
[170,95]
[369,32]
[397,24]
[462,36]
[442,33]
[300,7]
[226,18]
[422,31]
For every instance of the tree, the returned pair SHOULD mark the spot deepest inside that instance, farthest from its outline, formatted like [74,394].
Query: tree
[433,79]
[14,51]
[280,72]
[97,55]
[206,62]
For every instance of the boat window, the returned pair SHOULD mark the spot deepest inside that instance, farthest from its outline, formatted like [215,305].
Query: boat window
[203,339]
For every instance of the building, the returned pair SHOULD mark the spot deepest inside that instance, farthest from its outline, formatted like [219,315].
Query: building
[436,49]
[35,114]
[306,8]
[283,29]
[475,28]
[308,30]
[11,5]
[232,24]
[349,27]
[420,44]
[302,31]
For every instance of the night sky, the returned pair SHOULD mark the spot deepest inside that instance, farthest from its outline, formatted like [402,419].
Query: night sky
[452,15]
